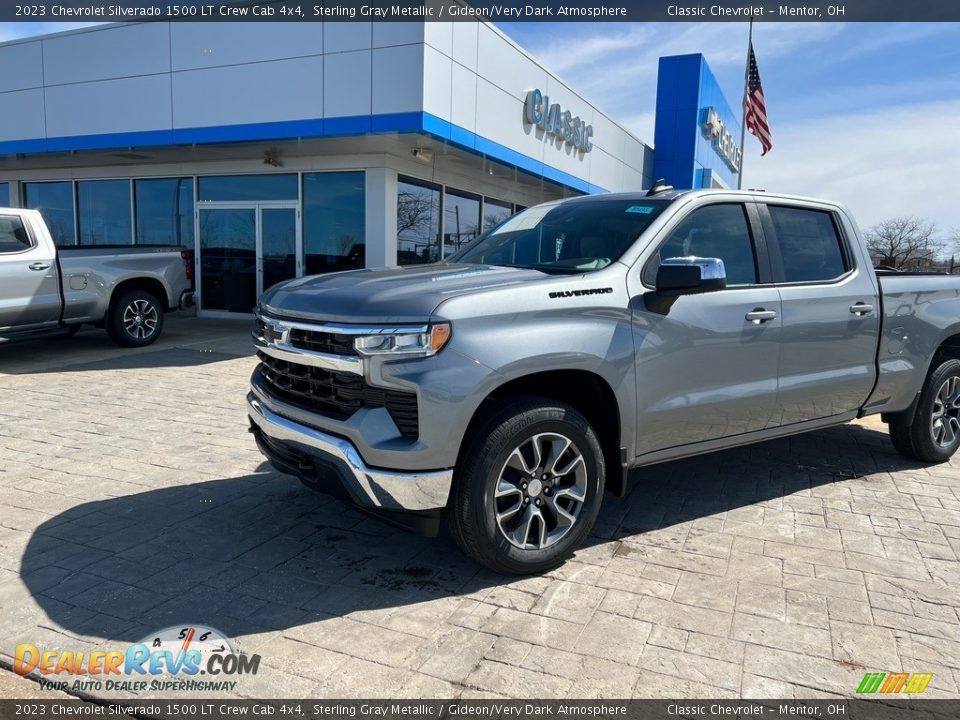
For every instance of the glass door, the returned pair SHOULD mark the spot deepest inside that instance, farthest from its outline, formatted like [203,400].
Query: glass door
[245,248]
[279,246]
[228,258]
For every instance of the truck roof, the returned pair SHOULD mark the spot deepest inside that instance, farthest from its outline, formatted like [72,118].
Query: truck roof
[672,194]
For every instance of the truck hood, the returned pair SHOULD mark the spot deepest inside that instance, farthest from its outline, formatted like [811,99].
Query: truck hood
[399,294]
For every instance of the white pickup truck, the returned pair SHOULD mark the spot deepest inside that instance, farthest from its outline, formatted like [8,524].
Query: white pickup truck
[124,289]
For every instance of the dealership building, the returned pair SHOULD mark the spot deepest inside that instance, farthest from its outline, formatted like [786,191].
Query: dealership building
[274,150]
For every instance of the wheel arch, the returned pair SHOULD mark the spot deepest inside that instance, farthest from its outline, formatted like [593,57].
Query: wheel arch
[588,393]
[150,284]
[949,348]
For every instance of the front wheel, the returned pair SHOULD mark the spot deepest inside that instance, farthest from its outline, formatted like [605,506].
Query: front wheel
[932,434]
[528,487]
[135,319]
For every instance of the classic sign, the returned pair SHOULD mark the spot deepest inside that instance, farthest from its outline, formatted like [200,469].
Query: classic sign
[554,120]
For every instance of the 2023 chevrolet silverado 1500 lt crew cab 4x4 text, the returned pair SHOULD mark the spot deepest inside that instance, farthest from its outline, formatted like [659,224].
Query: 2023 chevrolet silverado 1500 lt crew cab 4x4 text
[125,289]
[505,389]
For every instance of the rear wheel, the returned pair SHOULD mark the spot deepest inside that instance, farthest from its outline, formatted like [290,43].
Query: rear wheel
[528,487]
[135,319]
[932,434]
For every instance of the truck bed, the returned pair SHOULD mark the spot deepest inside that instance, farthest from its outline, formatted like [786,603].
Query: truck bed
[88,271]
[919,310]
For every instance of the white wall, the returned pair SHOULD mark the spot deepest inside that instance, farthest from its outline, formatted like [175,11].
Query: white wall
[173,76]
[476,77]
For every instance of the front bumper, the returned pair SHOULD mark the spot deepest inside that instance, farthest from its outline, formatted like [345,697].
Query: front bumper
[332,464]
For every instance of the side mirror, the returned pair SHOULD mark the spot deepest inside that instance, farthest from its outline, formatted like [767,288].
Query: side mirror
[690,275]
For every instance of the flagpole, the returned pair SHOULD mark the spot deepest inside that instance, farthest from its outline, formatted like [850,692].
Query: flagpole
[743,105]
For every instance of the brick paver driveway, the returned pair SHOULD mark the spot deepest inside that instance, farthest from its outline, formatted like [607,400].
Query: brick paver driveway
[132,499]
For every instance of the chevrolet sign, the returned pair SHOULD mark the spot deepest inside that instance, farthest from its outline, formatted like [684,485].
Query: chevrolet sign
[723,142]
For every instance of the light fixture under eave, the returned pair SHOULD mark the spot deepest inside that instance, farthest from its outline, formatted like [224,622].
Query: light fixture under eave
[272,158]
[422,154]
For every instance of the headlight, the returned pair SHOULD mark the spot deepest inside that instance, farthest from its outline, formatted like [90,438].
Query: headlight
[419,342]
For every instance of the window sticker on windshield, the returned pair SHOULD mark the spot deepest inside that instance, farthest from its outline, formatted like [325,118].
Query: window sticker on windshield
[642,209]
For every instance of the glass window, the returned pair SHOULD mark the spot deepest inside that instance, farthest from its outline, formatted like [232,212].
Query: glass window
[715,231]
[248,187]
[334,221]
[495,212]
[418,222]
[164,210]
[54,200]
[809,244]
[571,237]
[5,194]
[13,236]
[461,220]
[103,208]
[228,259]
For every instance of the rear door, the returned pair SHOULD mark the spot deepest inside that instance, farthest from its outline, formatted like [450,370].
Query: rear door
[706,365]
[29,284]
[830,312]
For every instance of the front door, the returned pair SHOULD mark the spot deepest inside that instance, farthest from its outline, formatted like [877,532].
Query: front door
[244,250]
[706,364]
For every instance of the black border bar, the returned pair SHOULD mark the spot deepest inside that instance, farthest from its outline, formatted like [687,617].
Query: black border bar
[492,10]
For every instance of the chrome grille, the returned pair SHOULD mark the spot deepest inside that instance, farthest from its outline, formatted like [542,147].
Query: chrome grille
[313,340]
[337,395]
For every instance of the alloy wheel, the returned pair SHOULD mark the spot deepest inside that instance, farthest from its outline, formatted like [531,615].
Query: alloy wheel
[540,491]
[140,319]
[945,421]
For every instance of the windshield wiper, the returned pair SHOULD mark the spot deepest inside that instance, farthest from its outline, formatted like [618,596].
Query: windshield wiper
[554,269]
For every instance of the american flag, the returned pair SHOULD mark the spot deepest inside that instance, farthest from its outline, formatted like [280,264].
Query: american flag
[754,107]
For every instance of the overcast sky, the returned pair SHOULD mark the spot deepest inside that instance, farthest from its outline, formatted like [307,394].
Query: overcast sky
[866,114]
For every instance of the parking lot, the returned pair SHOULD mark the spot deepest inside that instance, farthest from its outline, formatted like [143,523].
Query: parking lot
[133,499]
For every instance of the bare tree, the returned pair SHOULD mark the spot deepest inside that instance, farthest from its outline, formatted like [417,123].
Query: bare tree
[414,211]
[954,244]
[905,242]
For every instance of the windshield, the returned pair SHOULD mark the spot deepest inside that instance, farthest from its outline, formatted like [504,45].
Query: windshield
[569,237]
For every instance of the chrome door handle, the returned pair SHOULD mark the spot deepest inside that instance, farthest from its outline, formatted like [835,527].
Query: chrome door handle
[861,309]
[39,266]
[760,315]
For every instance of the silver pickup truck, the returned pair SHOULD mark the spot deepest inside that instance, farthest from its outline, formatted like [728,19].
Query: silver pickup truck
[125,289]
[504,390]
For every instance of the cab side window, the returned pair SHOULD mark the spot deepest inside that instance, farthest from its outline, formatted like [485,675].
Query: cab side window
[714,231]
[809,243]
[13,235]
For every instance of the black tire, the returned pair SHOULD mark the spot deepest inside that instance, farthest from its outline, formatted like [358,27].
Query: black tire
[123,326]
[516,426]
[932,432]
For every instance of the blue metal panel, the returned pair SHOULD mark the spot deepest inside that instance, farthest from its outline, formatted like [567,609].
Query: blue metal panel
[685,154]
[107,140]
[237,133]
[411,122]
[11,147]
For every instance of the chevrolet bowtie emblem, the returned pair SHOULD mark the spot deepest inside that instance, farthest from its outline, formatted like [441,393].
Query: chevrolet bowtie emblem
[274,331]
[713,126]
